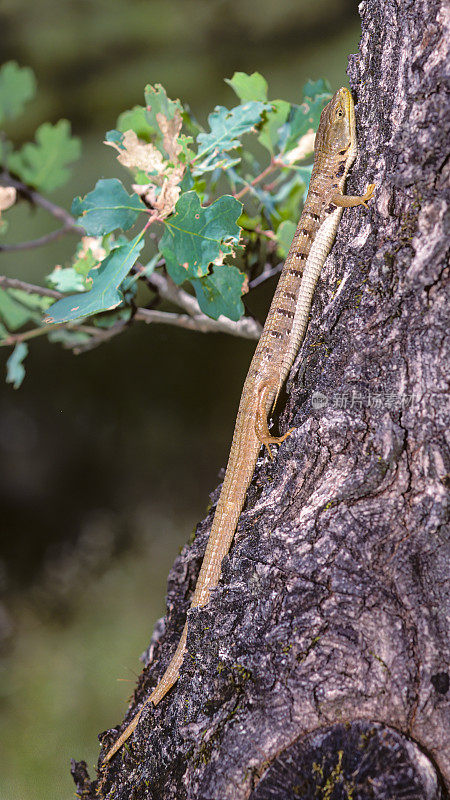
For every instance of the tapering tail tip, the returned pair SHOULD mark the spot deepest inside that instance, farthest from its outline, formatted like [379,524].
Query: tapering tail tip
[123,737]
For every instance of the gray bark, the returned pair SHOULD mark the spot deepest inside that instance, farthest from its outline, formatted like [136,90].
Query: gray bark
[320,667]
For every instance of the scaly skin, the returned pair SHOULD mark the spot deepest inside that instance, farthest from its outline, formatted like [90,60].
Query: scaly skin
[335,152]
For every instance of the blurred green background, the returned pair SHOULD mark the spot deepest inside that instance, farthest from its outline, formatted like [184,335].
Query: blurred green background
[107,458]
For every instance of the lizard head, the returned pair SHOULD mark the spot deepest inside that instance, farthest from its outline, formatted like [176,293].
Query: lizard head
[336,134]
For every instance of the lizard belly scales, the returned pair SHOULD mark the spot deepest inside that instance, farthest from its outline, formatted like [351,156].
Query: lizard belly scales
[284,329]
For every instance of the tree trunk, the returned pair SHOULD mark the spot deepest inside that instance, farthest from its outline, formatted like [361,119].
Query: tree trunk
[320,667]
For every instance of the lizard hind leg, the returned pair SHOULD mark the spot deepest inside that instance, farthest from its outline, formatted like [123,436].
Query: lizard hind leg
[261,426]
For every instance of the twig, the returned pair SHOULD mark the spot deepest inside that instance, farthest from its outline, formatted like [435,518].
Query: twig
[42,240]
[29,288]
[100,335]
[268,234]
[15,338]
[246,327]
[268,272]
[37,199]
[168,290]
[274,164]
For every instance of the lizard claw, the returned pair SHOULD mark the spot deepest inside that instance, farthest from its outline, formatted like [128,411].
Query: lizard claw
[368,194]
[267,440]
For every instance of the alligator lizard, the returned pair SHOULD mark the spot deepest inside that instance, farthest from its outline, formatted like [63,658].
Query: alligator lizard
[335,152]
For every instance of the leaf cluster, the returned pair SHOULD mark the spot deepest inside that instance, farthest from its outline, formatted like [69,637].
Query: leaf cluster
[192,200]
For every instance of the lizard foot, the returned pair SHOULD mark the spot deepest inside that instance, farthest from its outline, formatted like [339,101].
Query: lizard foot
[261,426]
[349,200]
[368,194]
[268,440]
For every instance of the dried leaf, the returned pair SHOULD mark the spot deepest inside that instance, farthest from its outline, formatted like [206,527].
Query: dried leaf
[7,197]
[163,190]
[135,154]
[170,129]
[304,148]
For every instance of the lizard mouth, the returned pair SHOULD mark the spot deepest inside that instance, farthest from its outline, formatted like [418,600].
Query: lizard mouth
[349,107]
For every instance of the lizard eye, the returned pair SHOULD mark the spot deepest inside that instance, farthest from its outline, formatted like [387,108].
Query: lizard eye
[339,113]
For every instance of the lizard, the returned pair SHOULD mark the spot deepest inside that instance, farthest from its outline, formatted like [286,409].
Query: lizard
[334,153]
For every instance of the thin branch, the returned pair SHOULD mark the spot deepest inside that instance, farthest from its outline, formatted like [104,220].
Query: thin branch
[38,200]
[268,272]
[168,290]
[15,338]
[29,288]
[100,335]
[246,327]
[268,234]
[274,164]
[42,240]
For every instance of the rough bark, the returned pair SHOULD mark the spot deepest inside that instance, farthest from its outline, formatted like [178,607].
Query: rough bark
[320,668]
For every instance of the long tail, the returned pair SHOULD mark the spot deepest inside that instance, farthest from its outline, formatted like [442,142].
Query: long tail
[241,464]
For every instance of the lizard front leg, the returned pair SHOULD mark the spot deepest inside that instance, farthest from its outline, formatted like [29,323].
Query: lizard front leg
[347,200]
[261,426]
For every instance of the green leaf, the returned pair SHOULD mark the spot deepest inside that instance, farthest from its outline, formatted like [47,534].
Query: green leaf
[73,278]
[83,262]
[227,126]
[220,292]
[17,307]
[17,86]
[285,234]
[313,88]
[275,119]
[107,207]
[116,137]
[303,118]
[196,237]
[158,103]
[15,371]
[291,194]
[107,320]
[145,272]
[136,120]
[67,337]
[190,123]
[248,87]
[13,314]
[164,117]
[106,279]
[67,279]
[33,302]
[44,164]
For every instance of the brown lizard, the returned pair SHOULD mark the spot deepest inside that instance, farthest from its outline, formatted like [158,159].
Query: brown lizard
[335,152]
